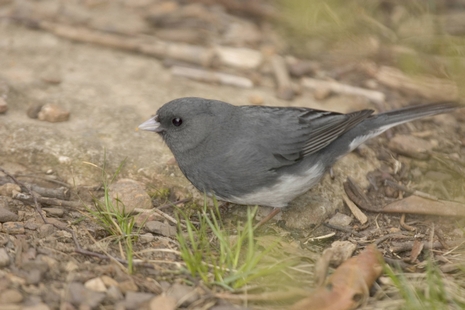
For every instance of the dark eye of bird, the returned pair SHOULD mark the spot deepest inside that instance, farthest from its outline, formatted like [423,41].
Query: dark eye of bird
[177,121]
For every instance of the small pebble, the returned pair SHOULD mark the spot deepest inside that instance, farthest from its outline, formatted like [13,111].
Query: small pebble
[9,189]
[3,106]
[131,195]
[34,109]
[128,286]
[95,284]
[78,295]
[135,300]
[109,281]
[53,113]
[7,216]
[114,293]
[410,146]
[340,219]
[13,228]
[10,297]
[46,230]
[71,266]
[146,238]
[163,302]
[256,99]
[160,228]
[179,291]
[4,258]
[58,212]
[38,306]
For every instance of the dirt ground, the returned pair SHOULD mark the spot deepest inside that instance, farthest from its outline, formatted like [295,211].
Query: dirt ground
[109,92]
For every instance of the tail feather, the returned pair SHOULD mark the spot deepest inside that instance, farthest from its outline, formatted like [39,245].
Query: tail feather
[378,123]
[410,113]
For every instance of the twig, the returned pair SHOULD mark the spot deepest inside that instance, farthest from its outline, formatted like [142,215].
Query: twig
[355,194]
[48,201]
[405,225]
[361,217]
[212,76]
[160,49]
[344,229]
[410,191]
[339,88]
[390,236]
[172,204]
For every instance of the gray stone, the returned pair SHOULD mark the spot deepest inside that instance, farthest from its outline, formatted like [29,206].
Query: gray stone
[13,228]
[78,295]
[4,258]
[340,219]
[179,292]
[134,300]
[160,228]
[54,211]
[114,294]
[131,194]
[7,216]
[46,230]
[11,296]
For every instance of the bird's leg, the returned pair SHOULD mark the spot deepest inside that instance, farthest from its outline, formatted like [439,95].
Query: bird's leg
[268,217]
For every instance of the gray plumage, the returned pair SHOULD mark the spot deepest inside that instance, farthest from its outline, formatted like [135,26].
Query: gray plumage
[266,155]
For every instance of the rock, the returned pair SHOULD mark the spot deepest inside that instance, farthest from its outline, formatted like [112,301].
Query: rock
[50,261]
[146,238]
[95,284]
[38,306]
[34,109]
[4,258]
[7,216]
[9,189]
[31,225]
[13,228]
[3,105]
[135,300]
[78,295]
[127,286]
[108,281]
[54,211]
[10,297]
[410,146]
[34,277]
[179,291]
[160,228]
[131,194]
[35,270]
[53,113]
[340,219]
[71,266]
[114,293]
[163,302]
[256,99]
[46,230]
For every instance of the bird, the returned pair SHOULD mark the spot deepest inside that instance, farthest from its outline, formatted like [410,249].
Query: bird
[264,155]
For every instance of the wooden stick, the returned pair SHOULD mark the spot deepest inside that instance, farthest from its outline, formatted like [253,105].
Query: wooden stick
[339,88]
[212,76]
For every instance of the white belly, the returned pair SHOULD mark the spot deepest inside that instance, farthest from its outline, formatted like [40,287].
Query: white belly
[286,189]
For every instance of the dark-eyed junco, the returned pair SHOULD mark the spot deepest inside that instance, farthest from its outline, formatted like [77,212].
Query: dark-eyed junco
[258,155]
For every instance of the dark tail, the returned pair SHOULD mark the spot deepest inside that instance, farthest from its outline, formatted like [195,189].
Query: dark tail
[411,113]
[379,123]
